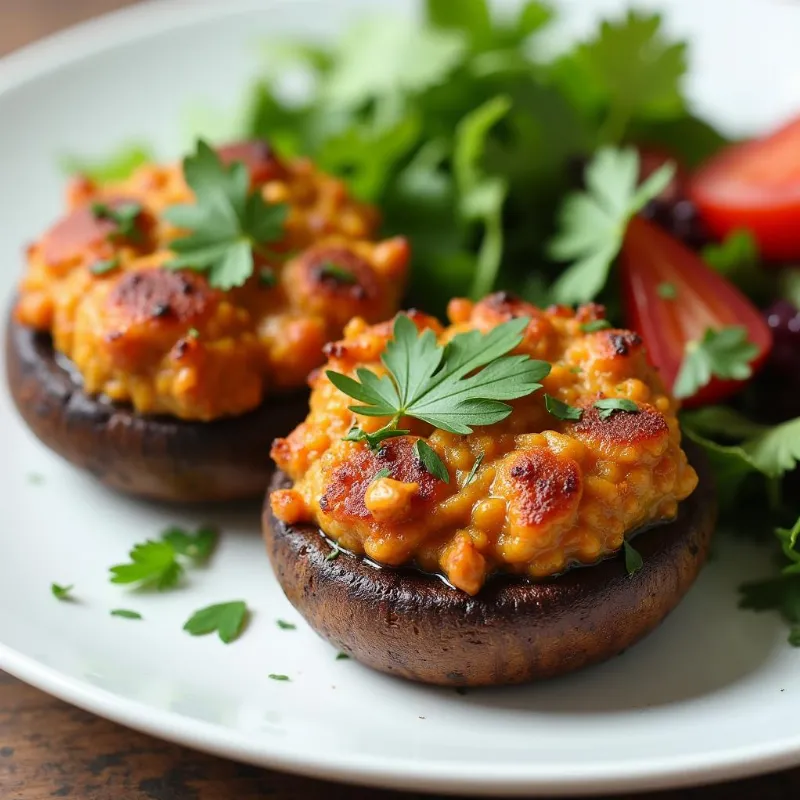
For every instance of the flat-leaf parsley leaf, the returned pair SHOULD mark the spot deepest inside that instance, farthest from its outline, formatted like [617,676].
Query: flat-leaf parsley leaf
[153,564]
[227,223]
[592,223]
[227,619]
[157,563]
[452,387]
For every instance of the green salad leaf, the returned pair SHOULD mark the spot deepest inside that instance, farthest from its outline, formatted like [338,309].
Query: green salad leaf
[634,70]
[725,354]
[782,593]
[593,222]
[738,446]
[151,564]
[464,129]
[482,196]
[380,61]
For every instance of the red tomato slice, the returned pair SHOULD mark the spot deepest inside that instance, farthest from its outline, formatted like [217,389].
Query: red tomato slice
[704,299]
[755,185]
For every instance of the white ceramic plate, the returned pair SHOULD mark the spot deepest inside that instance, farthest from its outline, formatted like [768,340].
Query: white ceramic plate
[713,694]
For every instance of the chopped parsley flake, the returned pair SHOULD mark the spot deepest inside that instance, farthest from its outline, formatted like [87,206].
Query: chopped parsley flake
[431,461]
[474,471]
[384,472]
[596,325]
[633,559]
[103,266]
[126,613]
[562,410]
[62,592]
[337,273]
[607,406]
[667,291]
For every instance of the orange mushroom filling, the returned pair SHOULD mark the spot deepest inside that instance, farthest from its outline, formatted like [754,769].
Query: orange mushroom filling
[547,494]
[166,341]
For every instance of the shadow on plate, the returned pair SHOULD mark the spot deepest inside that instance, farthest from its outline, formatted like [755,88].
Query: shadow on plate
[705,646]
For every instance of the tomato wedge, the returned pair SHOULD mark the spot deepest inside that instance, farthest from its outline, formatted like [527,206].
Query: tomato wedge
[703,299]
[755,185]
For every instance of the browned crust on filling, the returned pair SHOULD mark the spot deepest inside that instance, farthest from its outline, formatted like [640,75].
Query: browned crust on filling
[156,457]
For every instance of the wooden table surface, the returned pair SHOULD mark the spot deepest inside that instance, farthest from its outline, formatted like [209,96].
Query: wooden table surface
[50,749]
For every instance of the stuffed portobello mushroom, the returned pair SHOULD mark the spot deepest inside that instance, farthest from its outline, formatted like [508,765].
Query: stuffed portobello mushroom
[498,501]
[164,328]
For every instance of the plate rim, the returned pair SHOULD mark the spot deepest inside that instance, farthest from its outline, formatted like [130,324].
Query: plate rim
[401,774]
[83,42]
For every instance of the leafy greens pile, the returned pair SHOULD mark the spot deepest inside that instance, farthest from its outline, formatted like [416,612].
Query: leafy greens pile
[467,134]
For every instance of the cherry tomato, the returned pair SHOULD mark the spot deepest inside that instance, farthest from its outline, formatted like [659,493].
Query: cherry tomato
[653,265]
[755,185]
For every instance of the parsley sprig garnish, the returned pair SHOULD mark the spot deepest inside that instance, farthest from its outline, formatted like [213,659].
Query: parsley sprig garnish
[228,223]
[592,223]
[725,354]
[452,387]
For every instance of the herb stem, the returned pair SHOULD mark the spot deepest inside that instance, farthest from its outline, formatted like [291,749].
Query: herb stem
[774,494]
[613,128]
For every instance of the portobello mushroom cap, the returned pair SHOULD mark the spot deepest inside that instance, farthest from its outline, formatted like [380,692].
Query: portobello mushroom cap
[158,457]
[413,625]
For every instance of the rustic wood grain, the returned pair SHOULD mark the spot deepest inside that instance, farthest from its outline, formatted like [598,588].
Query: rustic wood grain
[50,749]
